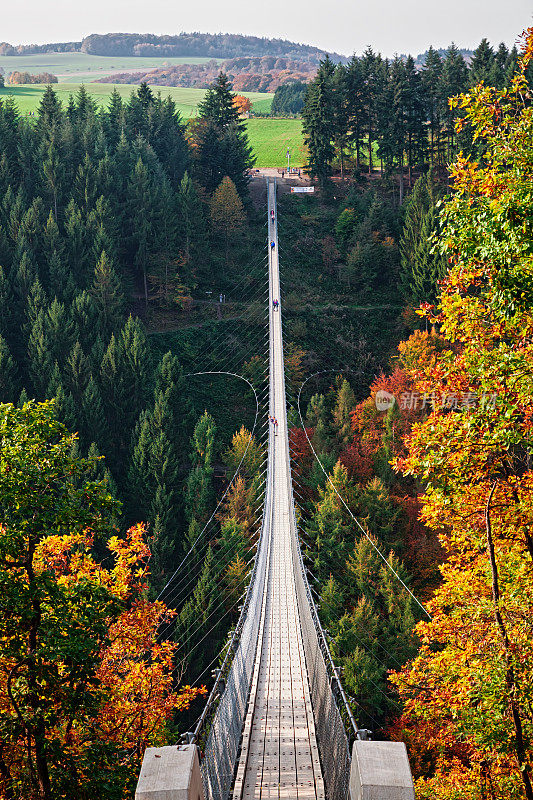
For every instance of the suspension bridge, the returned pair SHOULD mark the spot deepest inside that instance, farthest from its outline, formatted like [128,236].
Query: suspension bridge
[277,723]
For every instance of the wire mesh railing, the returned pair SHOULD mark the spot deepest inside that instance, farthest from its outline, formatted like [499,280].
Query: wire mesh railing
[219,730]
[334,723]
[222,723]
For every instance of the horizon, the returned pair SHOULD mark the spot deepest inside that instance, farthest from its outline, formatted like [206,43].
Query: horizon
[387,27]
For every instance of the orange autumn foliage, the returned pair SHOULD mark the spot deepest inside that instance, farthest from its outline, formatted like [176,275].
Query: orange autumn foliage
[468,694]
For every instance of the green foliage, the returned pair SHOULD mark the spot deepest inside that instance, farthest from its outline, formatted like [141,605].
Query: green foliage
[289,98]
[422,266]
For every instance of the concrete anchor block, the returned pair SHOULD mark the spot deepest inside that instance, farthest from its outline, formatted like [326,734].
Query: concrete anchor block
[380,771]
[170,773]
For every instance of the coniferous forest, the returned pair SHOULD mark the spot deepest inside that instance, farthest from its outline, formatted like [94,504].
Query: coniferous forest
[131,259]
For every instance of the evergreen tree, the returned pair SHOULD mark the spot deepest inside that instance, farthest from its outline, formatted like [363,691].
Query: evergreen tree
[136,368]
[222,146]
[217,105]
[481,64]
[93,425]
[227,211]
[319,123]
[40,364]
[77,373]
[344,405]
[107,295]
[50,113]
[355,94]
[141,194]
[199,488]
[190,217]
[431,77]
[421,266]
[454,80]
[9,378]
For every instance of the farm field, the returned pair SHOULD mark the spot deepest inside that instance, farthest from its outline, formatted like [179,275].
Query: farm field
[270,138]
[28,97]
[82,66]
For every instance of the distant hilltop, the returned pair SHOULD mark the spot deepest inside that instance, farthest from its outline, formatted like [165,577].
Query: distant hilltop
[198,45]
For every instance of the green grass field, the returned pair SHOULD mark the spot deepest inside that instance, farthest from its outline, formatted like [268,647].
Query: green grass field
[270,138]
[28,97]
[70,67]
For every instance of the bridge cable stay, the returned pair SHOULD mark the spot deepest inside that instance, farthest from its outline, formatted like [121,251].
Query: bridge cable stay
[272,638]
[361,528]
[277,722]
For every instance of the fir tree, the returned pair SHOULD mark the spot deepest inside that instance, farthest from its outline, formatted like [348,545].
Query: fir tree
[227,211]
[107,295]
[319,123]
[421,266]
[93,419]
[9,378]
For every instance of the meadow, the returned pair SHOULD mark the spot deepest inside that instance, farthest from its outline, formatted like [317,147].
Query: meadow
[70,67]
[270,138]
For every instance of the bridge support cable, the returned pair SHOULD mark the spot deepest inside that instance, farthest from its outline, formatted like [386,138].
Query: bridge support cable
[275,728]
[277,723]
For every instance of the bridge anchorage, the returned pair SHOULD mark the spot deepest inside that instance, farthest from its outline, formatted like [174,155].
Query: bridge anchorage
[277,723]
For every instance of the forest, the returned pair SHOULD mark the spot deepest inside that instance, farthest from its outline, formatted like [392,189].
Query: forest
[209,45]
[129,263]
[247,74]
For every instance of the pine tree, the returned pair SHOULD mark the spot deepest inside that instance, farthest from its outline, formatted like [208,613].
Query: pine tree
[9,379]
[421,267]
[53,175]
[75,244]
[481,64]
[454,80]
[431,76]
[374,77]
[344,405]
[141,201]
[217,105]
[319,123]
[136,366]
[8,319]
[227,211]
[107,295]
[196,614]
[114,117]
[190,217]
[355,91]
[77,373]
[222,146]
[50,113]
[93,422]
[199,489]
[60,280]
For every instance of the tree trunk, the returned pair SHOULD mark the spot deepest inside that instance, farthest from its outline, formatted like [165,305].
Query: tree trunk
[511,682]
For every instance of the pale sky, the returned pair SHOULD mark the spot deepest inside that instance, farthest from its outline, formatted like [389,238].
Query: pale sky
[345,26]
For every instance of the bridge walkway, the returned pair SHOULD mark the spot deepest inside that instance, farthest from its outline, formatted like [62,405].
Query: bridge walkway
[279,752]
